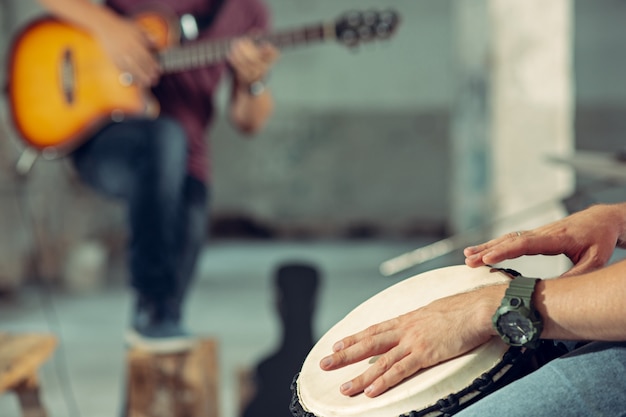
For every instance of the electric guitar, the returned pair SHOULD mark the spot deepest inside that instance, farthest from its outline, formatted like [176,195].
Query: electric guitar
[62,86]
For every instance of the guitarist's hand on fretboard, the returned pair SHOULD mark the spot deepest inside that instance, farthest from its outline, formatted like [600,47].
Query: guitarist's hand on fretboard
[251,61]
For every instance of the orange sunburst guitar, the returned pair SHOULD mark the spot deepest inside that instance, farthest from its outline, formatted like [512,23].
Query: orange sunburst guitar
[62,85]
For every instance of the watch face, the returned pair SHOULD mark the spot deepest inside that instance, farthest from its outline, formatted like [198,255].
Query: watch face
[518,328]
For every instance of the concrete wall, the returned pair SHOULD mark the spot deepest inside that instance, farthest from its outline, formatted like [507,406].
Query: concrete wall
[600,124]
[359,141]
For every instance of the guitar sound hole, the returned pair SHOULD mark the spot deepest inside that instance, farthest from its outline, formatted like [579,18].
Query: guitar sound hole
[67,76]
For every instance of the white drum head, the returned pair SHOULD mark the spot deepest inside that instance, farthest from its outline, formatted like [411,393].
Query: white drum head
[318,390]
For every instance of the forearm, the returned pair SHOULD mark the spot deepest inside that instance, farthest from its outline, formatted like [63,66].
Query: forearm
[249,113]
[579,307]
[585,307]
[83,13]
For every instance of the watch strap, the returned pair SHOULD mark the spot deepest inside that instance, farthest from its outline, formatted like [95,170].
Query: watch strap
[523,288]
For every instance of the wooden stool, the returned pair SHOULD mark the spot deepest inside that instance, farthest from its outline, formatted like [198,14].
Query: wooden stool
[21,356]
[173,385]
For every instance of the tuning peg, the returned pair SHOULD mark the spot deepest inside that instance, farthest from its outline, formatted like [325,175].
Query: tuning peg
[349,38]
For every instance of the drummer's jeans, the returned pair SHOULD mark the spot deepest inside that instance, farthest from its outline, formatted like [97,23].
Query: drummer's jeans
[144,163]
[587,382]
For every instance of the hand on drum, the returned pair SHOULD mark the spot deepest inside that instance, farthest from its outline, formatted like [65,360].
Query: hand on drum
[443,329]
[587,238]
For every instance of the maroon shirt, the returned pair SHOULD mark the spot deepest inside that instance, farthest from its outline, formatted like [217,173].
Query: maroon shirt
[189,96]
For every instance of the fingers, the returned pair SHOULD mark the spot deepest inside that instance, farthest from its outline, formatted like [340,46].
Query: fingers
[132,52]
[394,364]
[387,371]
[269,53]
[509,246]
[142,73]
[587,238]
[246,61]
[141,61]
[250,61]
[373,341]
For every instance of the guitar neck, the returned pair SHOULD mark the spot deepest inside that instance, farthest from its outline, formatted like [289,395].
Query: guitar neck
[200,54]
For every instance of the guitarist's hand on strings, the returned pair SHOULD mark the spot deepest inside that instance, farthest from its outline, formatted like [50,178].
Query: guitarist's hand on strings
[129,47]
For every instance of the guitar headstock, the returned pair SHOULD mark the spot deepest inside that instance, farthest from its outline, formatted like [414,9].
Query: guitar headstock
[354,27]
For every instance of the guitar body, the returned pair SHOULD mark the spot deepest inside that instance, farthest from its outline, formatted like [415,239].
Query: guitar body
[62,85]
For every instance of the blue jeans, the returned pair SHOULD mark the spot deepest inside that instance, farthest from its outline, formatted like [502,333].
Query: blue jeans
[587,382]
[144,163]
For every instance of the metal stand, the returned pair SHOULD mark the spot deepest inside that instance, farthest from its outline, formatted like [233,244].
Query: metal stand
[455,242]
[609,168]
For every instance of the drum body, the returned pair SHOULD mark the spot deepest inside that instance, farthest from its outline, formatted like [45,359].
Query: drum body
[436,391]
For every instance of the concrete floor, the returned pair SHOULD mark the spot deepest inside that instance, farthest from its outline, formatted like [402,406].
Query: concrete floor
[231,301]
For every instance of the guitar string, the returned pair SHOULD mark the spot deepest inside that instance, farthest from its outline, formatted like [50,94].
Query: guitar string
[200,53]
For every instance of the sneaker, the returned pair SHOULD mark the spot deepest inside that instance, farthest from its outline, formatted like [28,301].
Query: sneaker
[164,337]
[156,327]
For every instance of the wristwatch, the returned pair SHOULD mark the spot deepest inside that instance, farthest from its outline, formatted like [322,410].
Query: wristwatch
[256,88]
[516,320]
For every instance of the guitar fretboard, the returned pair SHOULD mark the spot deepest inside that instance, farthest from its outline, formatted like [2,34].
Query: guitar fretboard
[198,54]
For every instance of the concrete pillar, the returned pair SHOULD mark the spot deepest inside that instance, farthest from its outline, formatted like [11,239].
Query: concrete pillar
[523,105]
[470,131]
